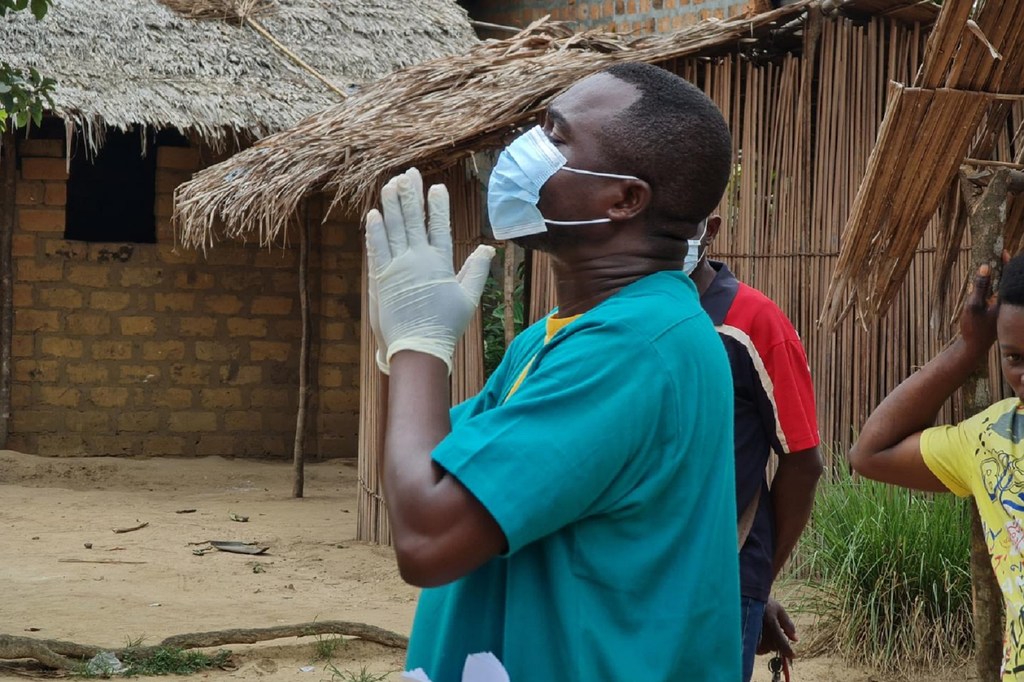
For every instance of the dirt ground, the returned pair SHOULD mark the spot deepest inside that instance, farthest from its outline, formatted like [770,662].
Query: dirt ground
[314,570]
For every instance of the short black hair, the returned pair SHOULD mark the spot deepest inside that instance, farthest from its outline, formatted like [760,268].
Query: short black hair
[675,138]
[1011,282]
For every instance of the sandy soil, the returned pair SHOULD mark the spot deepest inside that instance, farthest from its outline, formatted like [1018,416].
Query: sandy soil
[50,508]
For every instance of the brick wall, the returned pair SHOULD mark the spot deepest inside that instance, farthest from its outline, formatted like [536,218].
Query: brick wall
[623,16]
[337,322]
[153,350]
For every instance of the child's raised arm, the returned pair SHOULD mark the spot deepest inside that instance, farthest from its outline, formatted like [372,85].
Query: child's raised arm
[889,446]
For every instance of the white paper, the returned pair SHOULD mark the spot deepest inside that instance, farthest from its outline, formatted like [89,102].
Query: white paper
[482,667]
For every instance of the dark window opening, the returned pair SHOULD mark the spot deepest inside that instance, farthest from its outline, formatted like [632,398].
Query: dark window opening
[111,195]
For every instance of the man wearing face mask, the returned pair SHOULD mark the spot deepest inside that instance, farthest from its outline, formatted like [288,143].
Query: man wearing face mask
[577,517]
[774,410]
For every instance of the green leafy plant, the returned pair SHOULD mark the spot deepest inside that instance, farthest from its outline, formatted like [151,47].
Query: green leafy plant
[24,95]
[492,307]
[891,576]
[39,8]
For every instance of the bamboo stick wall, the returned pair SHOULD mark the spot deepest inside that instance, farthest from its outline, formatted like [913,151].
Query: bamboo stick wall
[468,368]
[798,179]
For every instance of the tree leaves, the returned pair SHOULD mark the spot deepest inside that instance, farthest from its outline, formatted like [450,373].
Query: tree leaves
[24,96]
[39,8]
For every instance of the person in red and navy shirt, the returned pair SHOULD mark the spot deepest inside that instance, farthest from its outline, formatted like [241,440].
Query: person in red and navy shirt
[774,411]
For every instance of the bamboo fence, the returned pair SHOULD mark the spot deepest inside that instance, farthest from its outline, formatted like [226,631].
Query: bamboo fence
[467,369]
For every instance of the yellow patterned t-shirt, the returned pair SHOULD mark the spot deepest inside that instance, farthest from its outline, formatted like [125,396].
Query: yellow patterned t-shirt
[984,457]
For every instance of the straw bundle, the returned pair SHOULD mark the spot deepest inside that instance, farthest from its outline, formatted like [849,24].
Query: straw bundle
[123,63]
[430,115]
[967,66]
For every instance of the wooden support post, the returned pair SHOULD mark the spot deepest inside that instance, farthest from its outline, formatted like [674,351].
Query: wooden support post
[509,291]
[8,179]
[298,452]
[987,223]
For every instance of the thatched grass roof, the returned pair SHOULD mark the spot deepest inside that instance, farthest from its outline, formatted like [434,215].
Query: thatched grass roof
[431,115]
[974,55]
[125,62]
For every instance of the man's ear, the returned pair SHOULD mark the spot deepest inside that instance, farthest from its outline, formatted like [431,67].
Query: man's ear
[714,225]
[631,199]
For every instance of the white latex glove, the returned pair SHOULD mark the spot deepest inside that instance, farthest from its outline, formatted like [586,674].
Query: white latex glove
[422,305]
[373,310]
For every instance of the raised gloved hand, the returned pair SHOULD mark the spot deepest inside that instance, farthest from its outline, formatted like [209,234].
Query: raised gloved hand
[421,304]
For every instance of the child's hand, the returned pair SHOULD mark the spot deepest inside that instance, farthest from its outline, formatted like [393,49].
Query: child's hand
[978,318]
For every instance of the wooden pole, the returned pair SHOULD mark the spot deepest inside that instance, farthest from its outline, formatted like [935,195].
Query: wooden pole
[8,178]
[987,222]
[509,291]
[259,28]
[298,452]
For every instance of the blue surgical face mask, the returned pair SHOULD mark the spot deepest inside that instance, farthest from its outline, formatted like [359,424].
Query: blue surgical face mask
[514,188]
[693,254]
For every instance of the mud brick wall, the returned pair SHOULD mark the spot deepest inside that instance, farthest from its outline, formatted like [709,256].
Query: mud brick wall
[641,17]
[149,349]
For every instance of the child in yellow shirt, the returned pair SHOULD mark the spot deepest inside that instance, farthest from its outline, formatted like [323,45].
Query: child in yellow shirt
[982,456]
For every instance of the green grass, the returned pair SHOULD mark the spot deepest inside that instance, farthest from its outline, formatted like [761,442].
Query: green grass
[172,661]
[164,661]
[130,643]
[892,575]
[348,676]
[325,647]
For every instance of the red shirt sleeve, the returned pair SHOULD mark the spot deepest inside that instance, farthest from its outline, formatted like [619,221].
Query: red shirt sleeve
[781,366]
[792,395]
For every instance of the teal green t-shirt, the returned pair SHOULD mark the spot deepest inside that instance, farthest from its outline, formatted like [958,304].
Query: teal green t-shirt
[609,468]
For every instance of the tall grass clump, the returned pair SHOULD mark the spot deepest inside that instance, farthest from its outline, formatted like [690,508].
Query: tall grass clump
[893,576]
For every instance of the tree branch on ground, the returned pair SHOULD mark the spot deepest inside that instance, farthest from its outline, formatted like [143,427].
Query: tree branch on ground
[67,655]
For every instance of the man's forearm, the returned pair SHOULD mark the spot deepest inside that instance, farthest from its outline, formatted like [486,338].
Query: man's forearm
[416,421]
[792,500]
[441,532]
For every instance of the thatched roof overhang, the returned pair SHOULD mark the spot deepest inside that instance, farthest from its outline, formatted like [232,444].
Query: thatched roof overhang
[121,63]
[436,114]
[973,68]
